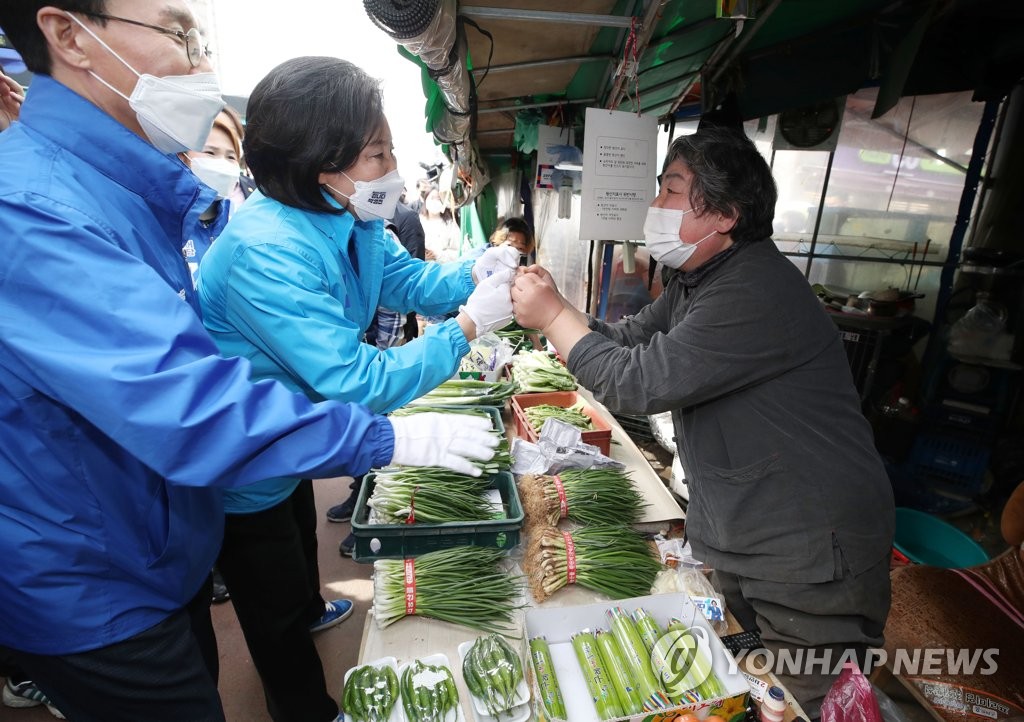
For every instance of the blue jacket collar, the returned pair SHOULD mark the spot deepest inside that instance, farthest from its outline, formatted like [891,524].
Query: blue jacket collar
[83,130]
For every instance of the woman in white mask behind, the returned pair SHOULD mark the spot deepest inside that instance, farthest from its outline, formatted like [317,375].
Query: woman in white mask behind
[218,165]
[292,285]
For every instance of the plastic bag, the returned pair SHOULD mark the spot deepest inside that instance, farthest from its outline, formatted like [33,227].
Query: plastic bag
[488,355]
[560,446]
[692,582]
[851,698]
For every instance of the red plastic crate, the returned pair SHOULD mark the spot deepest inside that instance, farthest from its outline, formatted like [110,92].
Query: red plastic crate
[601,436]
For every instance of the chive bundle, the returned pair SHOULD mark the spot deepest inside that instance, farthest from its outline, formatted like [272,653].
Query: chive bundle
[613,560]
[540,371]
[586,496]
[429,495]
[467,391]
[463,585]
[537,415]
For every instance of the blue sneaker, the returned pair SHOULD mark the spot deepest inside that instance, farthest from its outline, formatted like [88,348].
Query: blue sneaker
[25,694]
[336,612]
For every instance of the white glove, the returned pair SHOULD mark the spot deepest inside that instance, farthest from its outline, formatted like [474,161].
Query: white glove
[490,305]
[433,439]
[494,259]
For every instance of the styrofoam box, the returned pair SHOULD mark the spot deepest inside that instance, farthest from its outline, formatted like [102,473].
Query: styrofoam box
[558,624]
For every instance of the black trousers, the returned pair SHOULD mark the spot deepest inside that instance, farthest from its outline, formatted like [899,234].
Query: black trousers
[167,673]
[826,620]
[269,564]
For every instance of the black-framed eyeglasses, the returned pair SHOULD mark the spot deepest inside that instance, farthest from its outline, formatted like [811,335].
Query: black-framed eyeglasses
[194,47]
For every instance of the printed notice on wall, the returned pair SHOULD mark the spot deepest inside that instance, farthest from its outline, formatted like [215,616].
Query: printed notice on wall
[619,171]
[554,145]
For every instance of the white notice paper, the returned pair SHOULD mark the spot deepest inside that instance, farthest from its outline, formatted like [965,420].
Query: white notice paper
[619,171]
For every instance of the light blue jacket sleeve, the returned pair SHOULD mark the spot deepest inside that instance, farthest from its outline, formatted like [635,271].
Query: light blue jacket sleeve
[90,326]
[429,288]
[277,297]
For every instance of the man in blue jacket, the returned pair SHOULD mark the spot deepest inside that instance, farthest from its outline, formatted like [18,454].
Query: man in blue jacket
[117,416]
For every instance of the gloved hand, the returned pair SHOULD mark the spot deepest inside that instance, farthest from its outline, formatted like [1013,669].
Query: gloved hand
[433,439]
[493,259]
[490,305]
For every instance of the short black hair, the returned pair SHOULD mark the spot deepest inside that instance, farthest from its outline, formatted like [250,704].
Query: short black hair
[730,176]
[514,224]
[18,19]
[308,116]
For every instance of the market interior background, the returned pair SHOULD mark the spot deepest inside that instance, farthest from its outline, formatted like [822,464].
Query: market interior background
[895,130]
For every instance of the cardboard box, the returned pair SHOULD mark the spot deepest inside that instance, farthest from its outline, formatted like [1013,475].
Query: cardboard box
[558,624]
[600,436]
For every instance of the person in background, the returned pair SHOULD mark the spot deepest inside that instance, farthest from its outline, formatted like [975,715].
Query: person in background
[423,186]
[443,238]
[516,232]
[11,98]
[217,165]
[119,421]
[796,522]
[292,286]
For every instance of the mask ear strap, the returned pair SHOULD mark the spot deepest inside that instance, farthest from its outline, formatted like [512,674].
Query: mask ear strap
[109,50]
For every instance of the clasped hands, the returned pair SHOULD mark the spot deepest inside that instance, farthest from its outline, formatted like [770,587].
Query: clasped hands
[505,290]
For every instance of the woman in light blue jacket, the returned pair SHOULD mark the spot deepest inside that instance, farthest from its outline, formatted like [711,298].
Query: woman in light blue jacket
[292,285]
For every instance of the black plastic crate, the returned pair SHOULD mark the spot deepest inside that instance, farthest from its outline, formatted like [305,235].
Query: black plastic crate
[399,541]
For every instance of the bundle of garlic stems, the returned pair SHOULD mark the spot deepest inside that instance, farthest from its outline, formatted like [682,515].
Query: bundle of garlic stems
[502,456]
[613,560]
[429,495]
[587,496]
[464,585]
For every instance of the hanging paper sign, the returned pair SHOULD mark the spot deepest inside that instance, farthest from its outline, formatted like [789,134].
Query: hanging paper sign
[619,171]
[550,143]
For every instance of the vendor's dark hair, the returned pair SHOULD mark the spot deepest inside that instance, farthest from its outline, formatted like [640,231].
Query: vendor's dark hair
[308,116]
[514,224]
[731,177]
[18,19]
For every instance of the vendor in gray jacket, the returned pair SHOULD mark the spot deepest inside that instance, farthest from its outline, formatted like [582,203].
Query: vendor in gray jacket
[789,501]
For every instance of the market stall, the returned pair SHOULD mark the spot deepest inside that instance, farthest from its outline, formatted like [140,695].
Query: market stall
[565,612]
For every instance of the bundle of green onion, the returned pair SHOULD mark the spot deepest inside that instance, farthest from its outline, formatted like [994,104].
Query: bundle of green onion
[467,391]
[502,458]
[587,496]
[537,415]
[429,495]
[540,371]
[463,585]
[613,560]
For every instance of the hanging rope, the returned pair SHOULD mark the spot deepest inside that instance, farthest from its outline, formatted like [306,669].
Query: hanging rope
[899,165]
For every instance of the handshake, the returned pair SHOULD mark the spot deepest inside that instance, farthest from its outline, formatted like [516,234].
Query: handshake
[500,282]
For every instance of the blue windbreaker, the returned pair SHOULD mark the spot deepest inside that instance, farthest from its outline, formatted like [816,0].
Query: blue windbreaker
[116,414]
[279,289]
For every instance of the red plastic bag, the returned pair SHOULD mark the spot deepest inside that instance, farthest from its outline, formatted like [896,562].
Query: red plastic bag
[851,698]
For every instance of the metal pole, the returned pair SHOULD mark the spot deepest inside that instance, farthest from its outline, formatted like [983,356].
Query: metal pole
[545,16]
[530,64]
[548,104]
[821,208]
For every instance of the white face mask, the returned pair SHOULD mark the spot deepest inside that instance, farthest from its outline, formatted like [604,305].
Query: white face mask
[220,174]
[376,199]
[661,235]
[435,206]
[175,112]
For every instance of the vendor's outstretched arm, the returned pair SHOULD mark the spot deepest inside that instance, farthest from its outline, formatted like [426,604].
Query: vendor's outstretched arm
[537,303]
